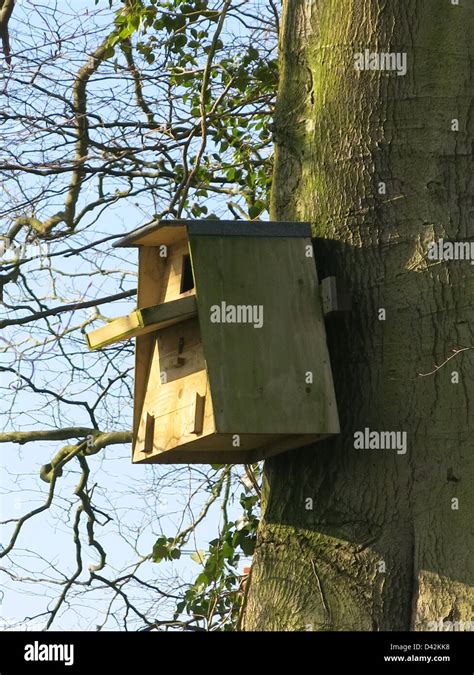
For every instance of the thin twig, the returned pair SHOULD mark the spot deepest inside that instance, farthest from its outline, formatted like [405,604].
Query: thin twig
[455,353]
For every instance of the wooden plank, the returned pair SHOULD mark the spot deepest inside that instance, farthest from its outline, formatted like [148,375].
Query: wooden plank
[149,433]
[150,278]
[258,375]
[218,449]
[114,331]
[143,321]
[179,310]
[155,234]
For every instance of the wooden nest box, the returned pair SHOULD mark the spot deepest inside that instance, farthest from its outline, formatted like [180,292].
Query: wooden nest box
[231,362]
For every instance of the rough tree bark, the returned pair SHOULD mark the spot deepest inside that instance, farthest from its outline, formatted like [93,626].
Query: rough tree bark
[339,134]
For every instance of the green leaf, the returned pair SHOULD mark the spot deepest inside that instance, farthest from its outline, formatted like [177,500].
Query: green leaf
[203,579]
[254,211]
[227,550]
[109,52]
[159,552]
[253,53]
[246,543]
[179,41]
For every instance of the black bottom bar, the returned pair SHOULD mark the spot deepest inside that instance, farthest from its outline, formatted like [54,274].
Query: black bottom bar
[154,651]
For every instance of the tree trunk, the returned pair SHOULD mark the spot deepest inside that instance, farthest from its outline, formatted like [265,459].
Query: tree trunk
[381,546]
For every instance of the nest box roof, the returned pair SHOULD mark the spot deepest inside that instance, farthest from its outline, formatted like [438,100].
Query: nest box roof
[169,231]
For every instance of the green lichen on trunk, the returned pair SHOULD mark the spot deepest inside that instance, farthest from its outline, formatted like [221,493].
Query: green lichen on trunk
[339,133]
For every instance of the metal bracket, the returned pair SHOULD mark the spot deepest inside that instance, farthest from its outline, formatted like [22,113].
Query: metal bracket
[180,361]
[335,297]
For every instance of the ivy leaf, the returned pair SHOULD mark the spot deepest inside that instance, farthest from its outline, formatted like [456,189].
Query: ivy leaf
[246,543]
[159,552]
[227,550]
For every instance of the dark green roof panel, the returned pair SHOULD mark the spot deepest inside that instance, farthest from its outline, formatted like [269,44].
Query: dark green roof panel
[221,228]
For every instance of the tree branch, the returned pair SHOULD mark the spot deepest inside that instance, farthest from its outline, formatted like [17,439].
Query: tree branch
[455,352]
[6,9]
[66,308]
[79,99]
[23,437]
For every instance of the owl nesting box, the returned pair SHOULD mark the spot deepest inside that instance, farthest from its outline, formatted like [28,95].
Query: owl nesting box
[231,362]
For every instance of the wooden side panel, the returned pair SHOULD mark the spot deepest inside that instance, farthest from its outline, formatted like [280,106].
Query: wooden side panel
[174,413]
[150,279]
[159,281]
[259,374]
[177,392]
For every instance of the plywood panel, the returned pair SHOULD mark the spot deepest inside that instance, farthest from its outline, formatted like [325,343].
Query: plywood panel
[258,375]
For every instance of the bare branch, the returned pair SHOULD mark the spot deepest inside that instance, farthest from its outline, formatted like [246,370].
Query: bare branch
[66,308]
[22,437]
[455,352]
[6,9]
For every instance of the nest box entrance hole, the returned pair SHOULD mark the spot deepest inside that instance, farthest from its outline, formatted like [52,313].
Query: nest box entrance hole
[187,279]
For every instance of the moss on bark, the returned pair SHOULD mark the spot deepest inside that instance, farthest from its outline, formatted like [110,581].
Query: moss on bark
[340,133]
